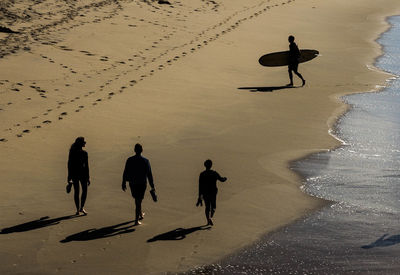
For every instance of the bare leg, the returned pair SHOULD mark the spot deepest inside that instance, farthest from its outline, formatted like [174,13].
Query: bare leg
[207,212]
[138,212]
[213,204]
[299,75]
[84,195]
[290,77]
[76,195]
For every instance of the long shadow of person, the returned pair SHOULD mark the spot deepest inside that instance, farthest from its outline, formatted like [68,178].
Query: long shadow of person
[36,224]
[104,232]
[177,234]
[383,241]
[266,89]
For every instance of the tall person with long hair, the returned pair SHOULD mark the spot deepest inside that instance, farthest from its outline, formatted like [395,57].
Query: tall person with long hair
[78,173]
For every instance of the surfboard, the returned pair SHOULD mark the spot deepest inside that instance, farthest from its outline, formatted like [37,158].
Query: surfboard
[282,58]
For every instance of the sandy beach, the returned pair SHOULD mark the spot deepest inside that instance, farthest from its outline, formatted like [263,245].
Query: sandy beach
[183,80]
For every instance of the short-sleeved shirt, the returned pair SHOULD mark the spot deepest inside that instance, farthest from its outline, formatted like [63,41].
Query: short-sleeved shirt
[138,170]
[208,182]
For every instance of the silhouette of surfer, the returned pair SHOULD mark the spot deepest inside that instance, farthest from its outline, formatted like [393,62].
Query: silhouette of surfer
[294,55]
[78,172]
[137,171]
[208,190]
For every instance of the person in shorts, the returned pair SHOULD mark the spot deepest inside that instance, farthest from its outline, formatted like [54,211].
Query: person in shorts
[294,55]
[208,190]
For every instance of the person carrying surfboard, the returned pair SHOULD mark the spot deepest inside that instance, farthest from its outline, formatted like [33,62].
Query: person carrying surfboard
[294,55]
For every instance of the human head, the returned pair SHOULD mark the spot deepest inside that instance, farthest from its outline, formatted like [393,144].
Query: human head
[138,149]
[208,164]
[291,38]
[80,142]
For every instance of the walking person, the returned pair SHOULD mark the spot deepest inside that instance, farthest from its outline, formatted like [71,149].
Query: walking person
[78,173]
[294,55]
[137,171]
[208,190]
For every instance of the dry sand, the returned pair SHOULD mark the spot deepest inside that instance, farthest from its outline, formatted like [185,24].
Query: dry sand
[169,77]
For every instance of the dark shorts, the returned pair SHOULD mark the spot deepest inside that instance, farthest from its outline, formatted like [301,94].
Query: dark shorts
[210,200]
[293,67]
[137,190]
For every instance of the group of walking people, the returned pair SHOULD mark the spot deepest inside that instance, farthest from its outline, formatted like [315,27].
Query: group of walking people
[137,170]
[137,173]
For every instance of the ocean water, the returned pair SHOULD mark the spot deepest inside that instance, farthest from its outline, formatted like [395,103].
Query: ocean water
[360,232]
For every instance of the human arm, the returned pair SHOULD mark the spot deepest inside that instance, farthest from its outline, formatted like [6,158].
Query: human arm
[69,178]
[199,199]
[150,176]
[87,167]
[124,177]
[221,179]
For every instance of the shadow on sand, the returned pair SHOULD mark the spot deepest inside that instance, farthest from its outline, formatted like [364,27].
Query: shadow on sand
[7,30]
[105,232]
[36,224]
[266,89]
[383,241]
[177,234]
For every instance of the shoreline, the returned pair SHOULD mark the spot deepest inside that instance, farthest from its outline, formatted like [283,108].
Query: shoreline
[249,136]
[242,258]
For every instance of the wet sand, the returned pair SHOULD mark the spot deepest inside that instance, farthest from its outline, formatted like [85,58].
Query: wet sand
[171,78]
